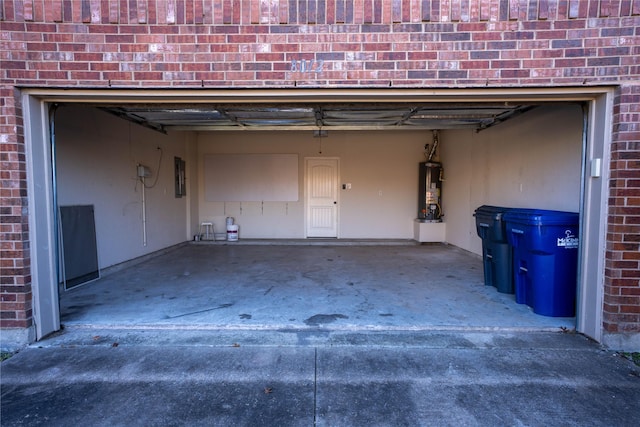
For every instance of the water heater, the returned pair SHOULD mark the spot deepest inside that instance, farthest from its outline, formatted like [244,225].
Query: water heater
[430,192]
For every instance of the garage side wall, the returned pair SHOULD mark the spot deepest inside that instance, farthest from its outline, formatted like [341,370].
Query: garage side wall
[97,156]
[532,161]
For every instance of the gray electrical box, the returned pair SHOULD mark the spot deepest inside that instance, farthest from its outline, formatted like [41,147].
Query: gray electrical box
[143,171]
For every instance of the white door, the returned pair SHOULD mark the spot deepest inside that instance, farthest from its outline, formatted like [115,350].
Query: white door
[322,197]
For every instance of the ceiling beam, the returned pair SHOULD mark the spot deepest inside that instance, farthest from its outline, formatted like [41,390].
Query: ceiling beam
[123,114]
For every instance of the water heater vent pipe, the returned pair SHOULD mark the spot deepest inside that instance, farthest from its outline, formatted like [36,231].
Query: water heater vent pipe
[434,145]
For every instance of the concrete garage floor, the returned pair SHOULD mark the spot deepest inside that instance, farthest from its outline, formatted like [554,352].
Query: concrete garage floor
[303,285]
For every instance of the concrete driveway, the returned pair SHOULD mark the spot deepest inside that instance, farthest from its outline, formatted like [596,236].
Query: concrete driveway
[318,377]
[303,336]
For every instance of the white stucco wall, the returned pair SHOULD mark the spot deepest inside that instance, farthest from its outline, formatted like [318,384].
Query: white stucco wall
[531,161]
[97,154]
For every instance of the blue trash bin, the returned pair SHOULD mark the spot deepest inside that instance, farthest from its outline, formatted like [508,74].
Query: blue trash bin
[496,251]
[545,259]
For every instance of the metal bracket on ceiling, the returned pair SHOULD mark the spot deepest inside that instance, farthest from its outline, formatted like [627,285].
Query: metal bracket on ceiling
[123,114]
[230,117]
[319,116]
[501,118]
[406,116]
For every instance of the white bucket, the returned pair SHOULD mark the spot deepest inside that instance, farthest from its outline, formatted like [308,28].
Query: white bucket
[232,233]
[229,220]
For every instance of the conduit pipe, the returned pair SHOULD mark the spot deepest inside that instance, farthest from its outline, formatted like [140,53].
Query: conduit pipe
[144,213]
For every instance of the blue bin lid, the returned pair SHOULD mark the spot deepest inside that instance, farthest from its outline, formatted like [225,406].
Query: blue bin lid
[541,217]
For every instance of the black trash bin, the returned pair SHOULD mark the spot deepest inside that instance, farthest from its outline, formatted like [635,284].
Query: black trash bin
[545,259]
[496,251]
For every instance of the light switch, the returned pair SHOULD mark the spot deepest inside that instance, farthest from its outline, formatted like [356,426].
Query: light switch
[596,168]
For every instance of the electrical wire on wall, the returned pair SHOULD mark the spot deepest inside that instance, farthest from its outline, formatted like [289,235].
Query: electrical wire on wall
[155,180]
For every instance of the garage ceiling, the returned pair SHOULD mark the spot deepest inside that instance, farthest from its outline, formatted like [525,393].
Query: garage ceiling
[343,116]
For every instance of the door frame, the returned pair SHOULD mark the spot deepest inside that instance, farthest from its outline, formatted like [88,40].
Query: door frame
[306,195]
[41,189]
[43,227]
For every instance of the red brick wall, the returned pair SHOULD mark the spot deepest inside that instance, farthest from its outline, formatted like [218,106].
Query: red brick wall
[359,43]
[15,276]
[622,274]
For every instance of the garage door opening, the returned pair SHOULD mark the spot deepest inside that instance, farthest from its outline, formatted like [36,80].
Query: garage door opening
[535,159]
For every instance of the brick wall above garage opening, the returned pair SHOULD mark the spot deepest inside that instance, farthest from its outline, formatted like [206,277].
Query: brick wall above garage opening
[494,44]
